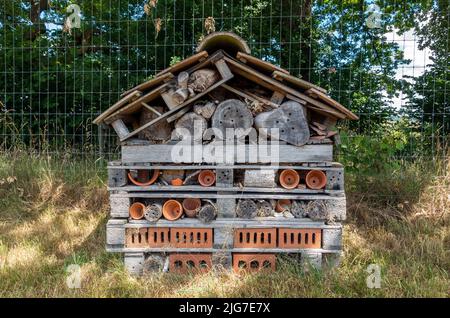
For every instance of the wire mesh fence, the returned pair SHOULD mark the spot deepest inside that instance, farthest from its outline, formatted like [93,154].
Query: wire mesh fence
[64,62]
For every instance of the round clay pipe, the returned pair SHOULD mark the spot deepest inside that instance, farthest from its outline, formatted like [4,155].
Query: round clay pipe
[144,174]
[282,204]
[172,210]
[137,210]
[316,179]
[207,178]
[177,182]
[289,179]
[191,207]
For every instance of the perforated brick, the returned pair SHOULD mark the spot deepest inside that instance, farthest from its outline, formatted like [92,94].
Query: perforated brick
[169,237]
[183,262]
[148,237]
[253,262]
[191,237]
[158,237]
[255,238]
[299,238]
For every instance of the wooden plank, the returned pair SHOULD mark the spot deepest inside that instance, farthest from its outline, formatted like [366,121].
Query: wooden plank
[167,96]
[150,83]
[334,166]
[206,62]
[247,195]
[117,177]
[332,239]
[251,97]
[274,85]
[226,207]
[119,207]
[254,61]
[287,154]
[120,128]
[134,263]
[115,232]
[327,99]
[306,251]
[150,108]
[225,177]
[179,114]
[258,222]
[163,188]
[324,109]
[175,110]
[223,69]
[298,82]
[223,238]
[136,105]
[130,97]
[184,64]
[277,98]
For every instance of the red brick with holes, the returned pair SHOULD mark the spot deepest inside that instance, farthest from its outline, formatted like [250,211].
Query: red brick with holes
[191,237]
[299,238]
[253,262]
[147,237]
[255,238]
[184,263]
[169,237]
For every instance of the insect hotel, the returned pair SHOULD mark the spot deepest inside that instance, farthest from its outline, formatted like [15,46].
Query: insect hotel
[226,162]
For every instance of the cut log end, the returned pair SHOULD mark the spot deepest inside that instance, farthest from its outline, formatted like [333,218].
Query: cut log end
[153,212]
[207,213]
[246,209]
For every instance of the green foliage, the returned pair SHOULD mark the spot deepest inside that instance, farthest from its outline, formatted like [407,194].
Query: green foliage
[428,94]
[374,154]
[390,146]
[55,82]
[174,60]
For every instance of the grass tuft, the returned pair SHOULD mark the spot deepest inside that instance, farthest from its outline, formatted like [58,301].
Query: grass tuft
[53,214]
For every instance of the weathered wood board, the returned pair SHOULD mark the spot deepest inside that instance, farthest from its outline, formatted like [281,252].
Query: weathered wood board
[247,154]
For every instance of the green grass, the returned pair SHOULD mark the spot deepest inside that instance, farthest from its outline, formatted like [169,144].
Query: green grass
[53,213]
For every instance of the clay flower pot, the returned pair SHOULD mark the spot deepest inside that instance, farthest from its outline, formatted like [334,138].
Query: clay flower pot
[177,182]
[172,210]
[143,178]
[282,204]
[316,179]
[191,207]
[207,178]
[137,210]
[289,179]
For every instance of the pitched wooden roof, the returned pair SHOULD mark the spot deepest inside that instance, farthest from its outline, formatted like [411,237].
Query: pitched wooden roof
[263,73]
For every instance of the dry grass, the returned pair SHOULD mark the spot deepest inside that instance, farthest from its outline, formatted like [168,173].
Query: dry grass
[53,213]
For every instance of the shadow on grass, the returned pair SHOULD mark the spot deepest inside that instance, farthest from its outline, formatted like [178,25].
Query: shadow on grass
[54,214]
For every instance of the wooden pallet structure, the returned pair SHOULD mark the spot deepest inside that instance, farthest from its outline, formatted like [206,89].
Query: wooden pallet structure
[183,200]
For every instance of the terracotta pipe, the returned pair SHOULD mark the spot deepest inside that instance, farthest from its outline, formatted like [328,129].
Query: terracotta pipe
[137,210]
[207,178]
[289,179]
[172,210]
[143,175]
[282,204]
[316,179]
[177,182]
[191,207]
